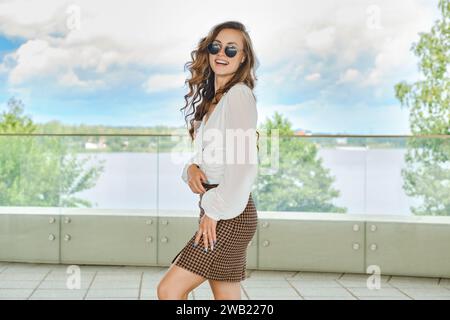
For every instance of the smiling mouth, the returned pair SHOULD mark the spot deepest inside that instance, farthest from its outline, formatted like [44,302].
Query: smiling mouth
[220,64]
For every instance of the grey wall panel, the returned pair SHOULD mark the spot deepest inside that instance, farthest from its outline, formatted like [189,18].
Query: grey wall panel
[174,233]
[331,246]
[89,239]
[29,238]
[414,249]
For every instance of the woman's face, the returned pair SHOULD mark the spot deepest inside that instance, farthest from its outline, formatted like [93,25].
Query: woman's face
[227,37]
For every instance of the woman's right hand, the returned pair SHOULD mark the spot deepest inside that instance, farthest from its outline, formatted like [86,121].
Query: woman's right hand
[195,178]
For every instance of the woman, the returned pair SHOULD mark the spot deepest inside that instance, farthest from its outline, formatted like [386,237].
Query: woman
[223,75]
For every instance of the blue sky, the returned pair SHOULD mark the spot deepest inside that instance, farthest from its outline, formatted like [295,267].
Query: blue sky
[329,66]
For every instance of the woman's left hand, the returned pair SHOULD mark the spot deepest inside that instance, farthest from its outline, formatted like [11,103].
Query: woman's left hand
[207,229]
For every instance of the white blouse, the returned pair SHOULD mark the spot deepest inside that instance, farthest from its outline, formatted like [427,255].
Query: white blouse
[215,145]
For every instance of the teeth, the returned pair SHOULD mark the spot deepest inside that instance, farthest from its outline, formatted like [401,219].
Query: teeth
[221,61]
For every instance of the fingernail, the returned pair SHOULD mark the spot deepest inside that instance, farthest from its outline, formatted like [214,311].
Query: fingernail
[194,244]
[206,249]
[215,241]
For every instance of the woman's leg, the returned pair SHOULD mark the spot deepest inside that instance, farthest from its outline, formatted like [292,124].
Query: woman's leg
[177,283]
[225,290]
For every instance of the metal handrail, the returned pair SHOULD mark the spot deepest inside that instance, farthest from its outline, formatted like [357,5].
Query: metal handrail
[439,136]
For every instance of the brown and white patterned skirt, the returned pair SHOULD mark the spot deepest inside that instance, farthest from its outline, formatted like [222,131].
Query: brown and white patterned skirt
[227,262]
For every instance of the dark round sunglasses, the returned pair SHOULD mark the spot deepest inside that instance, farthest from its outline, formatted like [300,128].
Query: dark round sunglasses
[230,51]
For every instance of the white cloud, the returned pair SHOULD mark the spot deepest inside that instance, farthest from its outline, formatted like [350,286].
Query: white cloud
[70,79]
[321,41]
[349,75]
[150,34]
[164,82]
[313,77]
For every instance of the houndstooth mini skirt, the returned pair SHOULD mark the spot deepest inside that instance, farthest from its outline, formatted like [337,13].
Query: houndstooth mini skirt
[228,260]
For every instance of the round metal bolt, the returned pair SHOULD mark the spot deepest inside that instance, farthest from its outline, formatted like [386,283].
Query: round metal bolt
[51,220]
[265,224]
[51,237]
[164,239]
[373,247]
[67,237]
[356,227]
[266,243]
[373,228]
[356,246]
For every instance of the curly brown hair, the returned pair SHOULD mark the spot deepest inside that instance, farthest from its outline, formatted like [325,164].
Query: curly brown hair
[201,83]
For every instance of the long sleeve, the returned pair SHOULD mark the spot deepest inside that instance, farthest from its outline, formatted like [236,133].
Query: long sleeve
[184,174]
[231,196]
[195,158]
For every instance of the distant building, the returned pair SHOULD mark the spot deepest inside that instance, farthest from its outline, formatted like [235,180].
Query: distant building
[302,132]
[89,145]
[341,140]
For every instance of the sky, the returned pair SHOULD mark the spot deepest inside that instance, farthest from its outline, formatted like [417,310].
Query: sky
[328,66]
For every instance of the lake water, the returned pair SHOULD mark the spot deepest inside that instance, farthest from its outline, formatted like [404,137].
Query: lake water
[369,181]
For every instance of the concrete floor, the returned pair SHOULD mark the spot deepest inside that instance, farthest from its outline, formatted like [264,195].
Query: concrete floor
[48,281]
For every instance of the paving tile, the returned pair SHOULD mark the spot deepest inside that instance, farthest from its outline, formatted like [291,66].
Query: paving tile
[48,281]
[15,293]
[148,298]
[47,294]
[281,297]
[318,275]
[204,285]
[19,284]
[203,294]
[384,298]
[270,292]
[22,276]
[154,296]
[153,275]
[329,298]
[265,284]
[317,283]
[424,292]
[35,268]
[268,275]
[16,270]
[62,284]
[145,292]
[115,284]
[113,293]
[149,284]
[360,277]
[413,282]
[383,291]
[135,269]
[60,275]
[361,284]
[431,298]
[208,292]
[325,292]
[97,298]
[118,277]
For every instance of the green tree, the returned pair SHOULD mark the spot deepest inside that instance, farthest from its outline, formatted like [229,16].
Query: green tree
[427,172]
[300,183]
[39,170]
